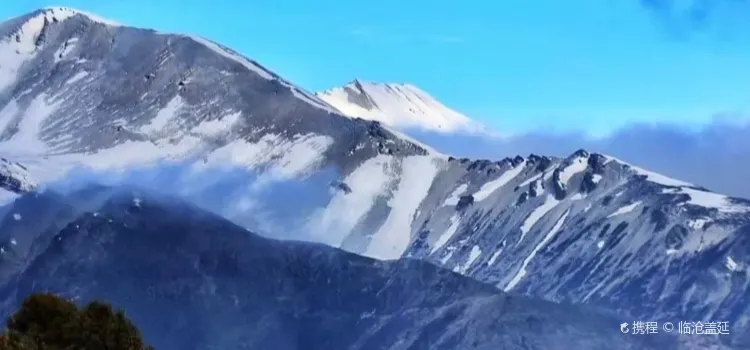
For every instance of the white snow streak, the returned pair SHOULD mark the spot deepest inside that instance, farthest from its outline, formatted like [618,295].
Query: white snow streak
[494,257]
[63,13]
[731,264]
[650,176]
[530,180]
[474,254]
[345,210]
[549,203]
[522,271]
[492,186]
[27,138]
[7,114]
[578,165]
[456,195]
[284,158]
[217,127]
[448,234]
[626,209]
[15,53]
[65,49]
[77,77]
[713,200]
[164,116]
[394,236]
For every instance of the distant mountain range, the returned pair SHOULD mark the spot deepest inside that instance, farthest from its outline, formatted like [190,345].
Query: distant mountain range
[192,280]
[78,92]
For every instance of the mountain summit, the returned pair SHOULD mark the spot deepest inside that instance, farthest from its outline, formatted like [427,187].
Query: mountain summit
[397,105]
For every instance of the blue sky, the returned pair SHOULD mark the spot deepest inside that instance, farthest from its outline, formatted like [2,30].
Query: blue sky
[516,65]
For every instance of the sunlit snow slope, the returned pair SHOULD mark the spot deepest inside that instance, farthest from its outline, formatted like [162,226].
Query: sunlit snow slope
[397,105]
[78,92]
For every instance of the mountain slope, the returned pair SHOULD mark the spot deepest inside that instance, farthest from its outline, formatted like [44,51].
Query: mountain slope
[592,229]
[88,91]
[14,179]
[397,105]
[192,280]
[248,145]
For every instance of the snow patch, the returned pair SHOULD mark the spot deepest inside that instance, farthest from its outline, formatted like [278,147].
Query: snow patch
[549,203]
[448,234]
[397,105]
[713,200]
[334,223]
[63,13]
[538,188]
[578,165]
[494,257]
[731,264]
[7,114]
[600,244]
[624,210]
[393,238]
[492,186]
[650,176]
[474,254]
[444,260]
[17,217]
[456,195]
[164,116]
[522,271]
[577,197]
[27,140]
[283,158]
[217,127]
[530,180]
[20,47]
[698,224]
[65,49]
[77,77]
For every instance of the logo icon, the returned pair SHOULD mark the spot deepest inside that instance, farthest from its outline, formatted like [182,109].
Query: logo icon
[624,327]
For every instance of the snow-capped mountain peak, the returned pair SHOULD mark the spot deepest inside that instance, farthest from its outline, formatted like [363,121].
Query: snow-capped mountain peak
[63,12]
[396,105]
[77,95]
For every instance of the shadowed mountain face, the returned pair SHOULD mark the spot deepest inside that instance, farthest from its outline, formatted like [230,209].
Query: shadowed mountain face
[192,280]
[79,91]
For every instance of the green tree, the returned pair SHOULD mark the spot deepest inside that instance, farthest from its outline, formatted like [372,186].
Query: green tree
[48,322]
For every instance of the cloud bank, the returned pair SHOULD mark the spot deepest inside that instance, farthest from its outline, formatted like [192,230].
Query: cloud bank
[717,156]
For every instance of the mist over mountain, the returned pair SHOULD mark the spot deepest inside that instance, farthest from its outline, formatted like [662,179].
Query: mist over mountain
[86,100]
[192,280]
[666,148]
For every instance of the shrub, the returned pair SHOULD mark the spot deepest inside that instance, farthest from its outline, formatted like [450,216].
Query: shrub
[48,322]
